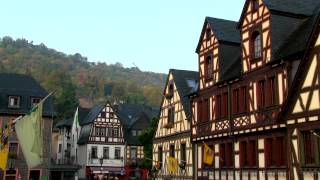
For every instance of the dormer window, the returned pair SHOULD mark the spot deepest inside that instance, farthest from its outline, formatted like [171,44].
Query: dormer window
[256,45]
[14,101]
[255,5]
[35,101]
[208,68]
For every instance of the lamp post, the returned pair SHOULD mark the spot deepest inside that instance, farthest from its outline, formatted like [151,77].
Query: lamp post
[101,162]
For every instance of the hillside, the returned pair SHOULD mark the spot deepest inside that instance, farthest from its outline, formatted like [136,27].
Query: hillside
[73,78]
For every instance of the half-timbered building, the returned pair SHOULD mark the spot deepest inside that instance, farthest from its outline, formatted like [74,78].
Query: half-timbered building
[257,106]
[101,144]
[172,137]
[135,119]
[18,94]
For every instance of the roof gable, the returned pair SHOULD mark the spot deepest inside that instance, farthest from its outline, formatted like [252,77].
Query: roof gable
[182,80]
[223,30]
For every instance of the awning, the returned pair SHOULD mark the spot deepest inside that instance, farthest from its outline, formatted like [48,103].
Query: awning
[107,170]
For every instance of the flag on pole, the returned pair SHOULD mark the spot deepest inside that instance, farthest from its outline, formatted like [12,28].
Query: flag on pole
[76,121]
[172,164]
[29,132]
[207,155]
[4,146]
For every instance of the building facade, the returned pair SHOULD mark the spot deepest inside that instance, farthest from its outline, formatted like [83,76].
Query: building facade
[135,119]
[18,94]
[101,145]
[257,106]
[173,134]
[63,164]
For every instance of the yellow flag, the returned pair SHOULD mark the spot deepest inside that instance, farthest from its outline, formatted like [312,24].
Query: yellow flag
[207,155]
[172,164]
[4,147]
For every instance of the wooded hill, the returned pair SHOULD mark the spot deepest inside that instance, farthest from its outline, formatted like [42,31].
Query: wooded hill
[73,78]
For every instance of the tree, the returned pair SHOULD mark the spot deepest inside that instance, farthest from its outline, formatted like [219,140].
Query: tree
[146,138]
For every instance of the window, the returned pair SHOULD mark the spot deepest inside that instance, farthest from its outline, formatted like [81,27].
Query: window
[34,174]
[134,133]
[133,153]
[226,150]
[275,154]
[160,155]
[14,101]
[235,101]
[171,115]
[199,111]
[256,45]
[239,100]
[35,101]
[206,112]
[60,148]
[218,106]
[111,115]
[261,94]
[208,68]
[248,153]
[13,149]
[171,150]
[115,132]
[222,153]
[105,152]
[110,132]
[243,99]
[309,145]
[103,114]
[117,151]
[94,153]
[271,91]
[100,131]
[170,89]
[139,132]
[183,157]
[224,110]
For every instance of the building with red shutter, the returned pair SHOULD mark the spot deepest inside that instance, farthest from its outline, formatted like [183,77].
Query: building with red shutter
[258,100]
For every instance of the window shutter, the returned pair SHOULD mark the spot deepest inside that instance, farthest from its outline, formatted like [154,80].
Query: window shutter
[258,95]
[301,148]
[267,152]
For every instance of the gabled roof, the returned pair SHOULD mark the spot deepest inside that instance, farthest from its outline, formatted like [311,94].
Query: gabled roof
[232,71]
[293,8]
[303,66]
[92,115]
[291,25]
[26,87]
[131,116]
[229,57]
[85,121]
[82,113]
[134,117]
[224,31]
[64,123]
[296,41]
[296,7]
[184,83]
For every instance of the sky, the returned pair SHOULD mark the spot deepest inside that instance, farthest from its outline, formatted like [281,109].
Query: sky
[153,35]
